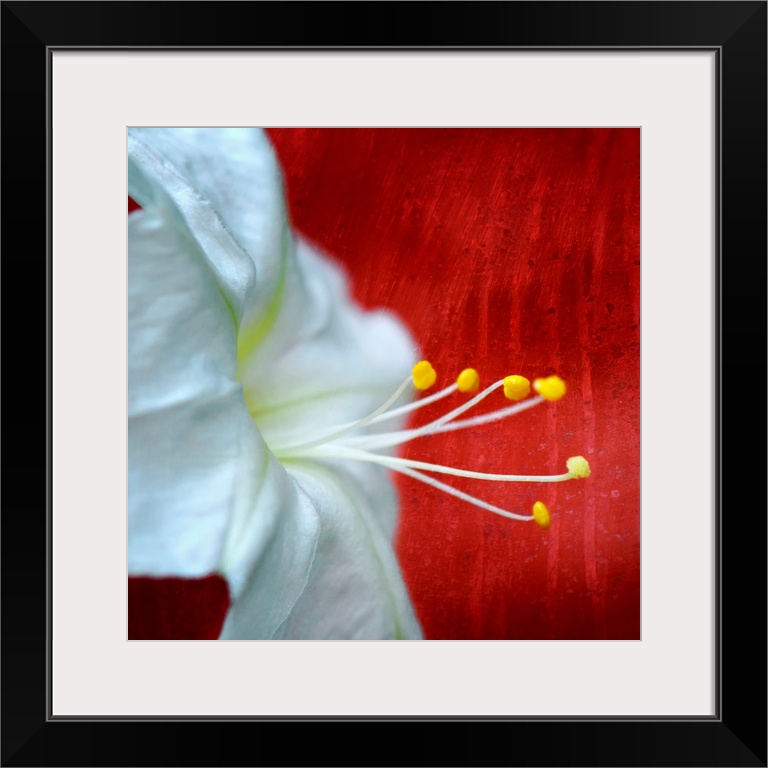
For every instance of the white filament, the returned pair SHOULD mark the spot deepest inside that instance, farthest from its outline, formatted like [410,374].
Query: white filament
[333,452]
[341,444]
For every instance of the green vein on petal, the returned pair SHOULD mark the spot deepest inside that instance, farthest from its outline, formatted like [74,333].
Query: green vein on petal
[251,337]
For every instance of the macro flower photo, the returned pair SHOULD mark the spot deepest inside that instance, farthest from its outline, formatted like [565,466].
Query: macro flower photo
[384,384]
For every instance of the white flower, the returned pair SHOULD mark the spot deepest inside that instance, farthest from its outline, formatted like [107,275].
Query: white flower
[256,397]
[306,546]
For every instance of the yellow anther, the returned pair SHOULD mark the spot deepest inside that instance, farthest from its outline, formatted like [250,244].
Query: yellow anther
[468,380]
[578,466]
[516,387]
[551,388]
[423,375]
[541,515]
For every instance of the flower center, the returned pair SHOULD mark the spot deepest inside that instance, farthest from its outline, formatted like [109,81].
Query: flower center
[346,441]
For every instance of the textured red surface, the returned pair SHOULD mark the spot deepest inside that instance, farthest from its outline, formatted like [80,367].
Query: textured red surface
[513,251]
[176,609]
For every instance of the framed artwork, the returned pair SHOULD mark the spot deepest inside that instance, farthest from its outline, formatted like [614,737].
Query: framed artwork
[570,232]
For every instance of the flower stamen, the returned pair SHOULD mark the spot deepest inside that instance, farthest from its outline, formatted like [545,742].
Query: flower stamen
[467,381]
[451,491]
[340,444]
[340,452]
[541,515]
[551,388]
[387,439]
[423,375]
[513,388]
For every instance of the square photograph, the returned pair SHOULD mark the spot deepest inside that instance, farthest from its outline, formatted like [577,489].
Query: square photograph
[384,383]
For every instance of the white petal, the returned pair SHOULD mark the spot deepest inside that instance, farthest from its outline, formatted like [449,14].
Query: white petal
[205,493]
[355,589]
[181,333]
[225,185]
[263,572]
[324,361]
[185,464]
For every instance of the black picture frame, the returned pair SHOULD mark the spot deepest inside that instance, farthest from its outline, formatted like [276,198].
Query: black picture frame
[736,735]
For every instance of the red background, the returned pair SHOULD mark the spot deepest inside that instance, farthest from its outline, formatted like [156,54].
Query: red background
[511,251]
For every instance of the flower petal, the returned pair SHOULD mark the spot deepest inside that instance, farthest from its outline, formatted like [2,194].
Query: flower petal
[183,402]
[225,185]
[205,493]
[355,589]
[324,361]
[267,573]
[181,334]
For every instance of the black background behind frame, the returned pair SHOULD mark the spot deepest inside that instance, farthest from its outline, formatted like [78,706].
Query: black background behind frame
[737,737]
